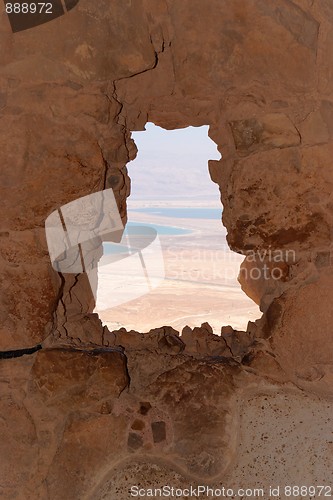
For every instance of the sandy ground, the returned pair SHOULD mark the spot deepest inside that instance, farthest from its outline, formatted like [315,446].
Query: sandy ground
[200,282]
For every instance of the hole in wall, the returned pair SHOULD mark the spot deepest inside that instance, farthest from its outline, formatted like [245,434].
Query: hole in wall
[172,193]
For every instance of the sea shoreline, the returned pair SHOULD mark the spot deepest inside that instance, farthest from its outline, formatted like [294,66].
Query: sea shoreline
[200,282]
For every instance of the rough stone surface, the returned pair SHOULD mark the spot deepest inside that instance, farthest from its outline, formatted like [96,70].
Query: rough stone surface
[82,419]
[262,417]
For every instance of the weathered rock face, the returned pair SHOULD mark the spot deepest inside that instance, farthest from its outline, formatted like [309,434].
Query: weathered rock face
[72,90]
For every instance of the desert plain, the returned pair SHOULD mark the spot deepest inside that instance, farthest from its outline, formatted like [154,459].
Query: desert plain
[200,283]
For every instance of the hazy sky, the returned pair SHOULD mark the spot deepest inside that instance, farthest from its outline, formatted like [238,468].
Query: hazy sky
[173,164]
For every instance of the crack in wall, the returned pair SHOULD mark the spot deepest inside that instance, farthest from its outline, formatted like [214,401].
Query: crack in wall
[17,353]
[121,121]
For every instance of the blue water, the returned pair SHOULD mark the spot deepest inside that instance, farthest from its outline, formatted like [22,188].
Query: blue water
[119,248]
[178,213]
[113,248]
[184,213]
[166,230]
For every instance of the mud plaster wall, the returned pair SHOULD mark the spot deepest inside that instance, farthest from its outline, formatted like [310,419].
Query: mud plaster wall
[259,73]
